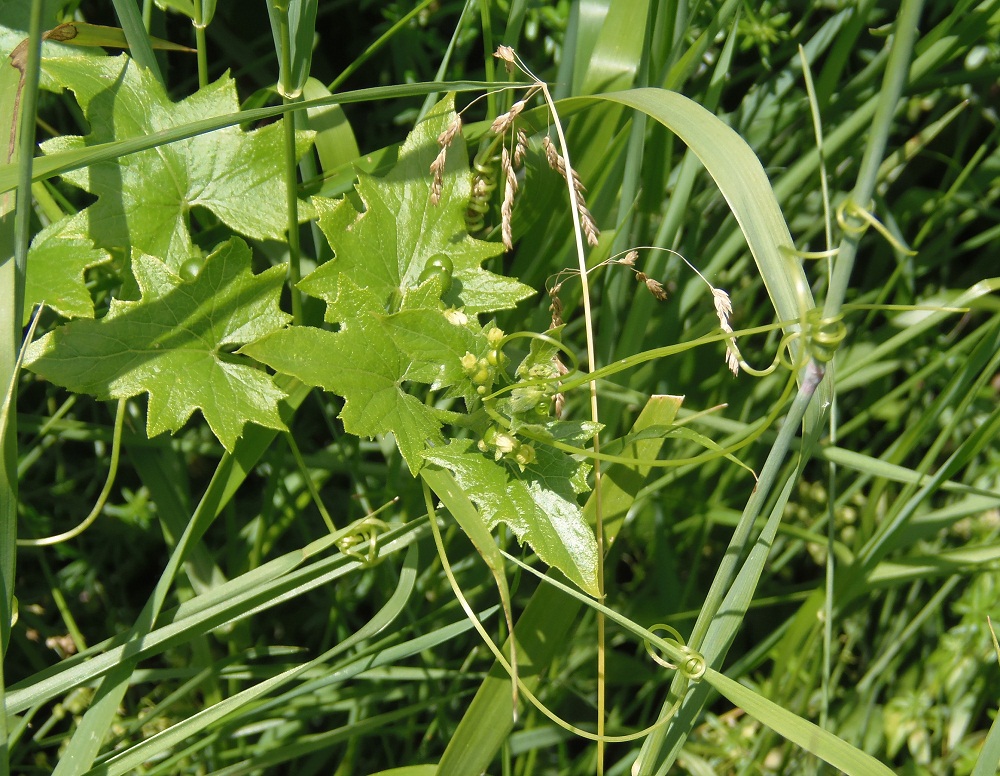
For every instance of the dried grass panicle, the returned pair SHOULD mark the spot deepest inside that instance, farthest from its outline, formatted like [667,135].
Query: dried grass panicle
[502,122]
[450,132]
[437,175]
[559,400]
[437,166]
[506,55]
[732,358]
[724,309]
[556,309]
[557,163]
[507,207]
[655,286]
[629,259]
[520,148]
[590,230]
[552,156]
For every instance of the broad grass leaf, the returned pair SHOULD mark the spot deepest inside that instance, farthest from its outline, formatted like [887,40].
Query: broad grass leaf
[806,734]
[386,248]
[741,180]
[538,504]
[144,198]
[173,343]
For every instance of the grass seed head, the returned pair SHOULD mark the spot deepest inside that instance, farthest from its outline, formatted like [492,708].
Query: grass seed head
[506,55]
[502,122]
[590,230]
[556,309]
[507,208]
[723,308]
[520,148]
[732,358]
[437,175]
[450,132]
[557,163]
[655,286]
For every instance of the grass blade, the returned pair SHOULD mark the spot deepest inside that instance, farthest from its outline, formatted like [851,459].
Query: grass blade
[809,736]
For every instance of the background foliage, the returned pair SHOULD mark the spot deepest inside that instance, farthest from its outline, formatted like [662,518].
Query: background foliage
[271,641]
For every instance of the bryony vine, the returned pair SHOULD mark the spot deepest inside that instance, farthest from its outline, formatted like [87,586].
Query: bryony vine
[403,345]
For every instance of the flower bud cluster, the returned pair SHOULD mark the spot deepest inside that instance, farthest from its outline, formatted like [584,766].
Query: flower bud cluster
[505,445]
[483,370]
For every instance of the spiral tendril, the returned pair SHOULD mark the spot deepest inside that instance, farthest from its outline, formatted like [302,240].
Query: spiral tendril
[825,335]
[692,667]
[362,543]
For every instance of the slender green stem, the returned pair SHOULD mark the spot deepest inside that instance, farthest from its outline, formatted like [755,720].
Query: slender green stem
[730,565]
[374,47]
[291,167]
[830,570]
[488,48]
[307,478]
[762,492]
[431,99]
[102,499]
[12,276]
[138,39]
[896,75]
[292,202]
[201,43]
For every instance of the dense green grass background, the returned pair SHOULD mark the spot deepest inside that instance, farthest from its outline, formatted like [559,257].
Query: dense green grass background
[870,614]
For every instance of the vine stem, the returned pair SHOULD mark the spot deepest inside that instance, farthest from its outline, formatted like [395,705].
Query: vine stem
[72,533]
[498,655]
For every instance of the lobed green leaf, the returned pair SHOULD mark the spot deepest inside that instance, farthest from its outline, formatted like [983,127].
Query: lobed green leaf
[173,343]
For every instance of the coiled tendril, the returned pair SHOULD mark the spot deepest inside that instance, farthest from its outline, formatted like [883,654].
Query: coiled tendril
[362,543]
[693,666]
[825,334]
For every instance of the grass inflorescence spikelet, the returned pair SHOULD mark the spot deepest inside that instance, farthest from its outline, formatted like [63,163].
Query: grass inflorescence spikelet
[437,166]
[587,223]
[507,208]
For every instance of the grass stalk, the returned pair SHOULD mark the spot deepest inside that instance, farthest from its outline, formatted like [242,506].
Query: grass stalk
[896,77]
[292,210]
[19,91]
[201,43]
[140,48]
[589,328]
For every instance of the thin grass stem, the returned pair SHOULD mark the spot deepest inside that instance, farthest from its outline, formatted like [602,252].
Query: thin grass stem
[201,43]
[896,76]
